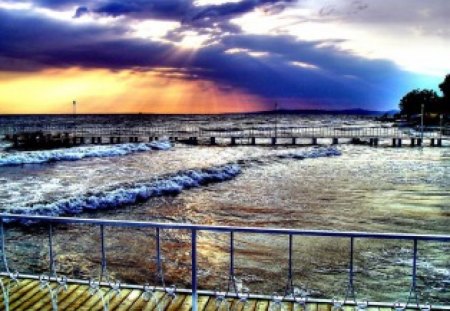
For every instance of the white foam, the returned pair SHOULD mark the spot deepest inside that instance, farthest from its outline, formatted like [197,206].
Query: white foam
[78,153]
[128,195]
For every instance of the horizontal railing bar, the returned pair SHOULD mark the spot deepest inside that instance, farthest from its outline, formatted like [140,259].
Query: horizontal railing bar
[255,230]
[228,295]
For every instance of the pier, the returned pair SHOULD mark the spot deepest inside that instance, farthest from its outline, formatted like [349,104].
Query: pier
[49,136]
[52,290]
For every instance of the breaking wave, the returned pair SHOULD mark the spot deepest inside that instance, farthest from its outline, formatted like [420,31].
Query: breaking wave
[312,153]
[78,153]
[134,193]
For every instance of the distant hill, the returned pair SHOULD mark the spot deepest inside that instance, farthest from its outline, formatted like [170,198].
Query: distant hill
[358,111]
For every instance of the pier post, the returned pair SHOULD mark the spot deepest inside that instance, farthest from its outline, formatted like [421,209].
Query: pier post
[253,141]
[274,140]
[439,142]
[82,140]
[419,142]
[314,141]
[233,141]
[375,141]
[432,144]
[212,140]
[399,142]
[294,141]
[99,140]
[156,138]
[92,140]
[111,140]
[131,139]
[394,142]
[335,140]
[413,142]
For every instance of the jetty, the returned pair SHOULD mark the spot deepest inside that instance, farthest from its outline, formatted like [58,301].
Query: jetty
[60,136]
[52,290]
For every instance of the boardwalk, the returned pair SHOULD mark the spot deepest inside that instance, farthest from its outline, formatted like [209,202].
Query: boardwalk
[48,135]
[30,295]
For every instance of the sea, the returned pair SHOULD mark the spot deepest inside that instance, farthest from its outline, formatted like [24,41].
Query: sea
[343,187]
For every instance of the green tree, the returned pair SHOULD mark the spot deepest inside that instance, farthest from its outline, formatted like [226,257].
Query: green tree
[445,88]
[411,103]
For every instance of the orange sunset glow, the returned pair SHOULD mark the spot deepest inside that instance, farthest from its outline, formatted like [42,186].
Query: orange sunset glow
[125,91]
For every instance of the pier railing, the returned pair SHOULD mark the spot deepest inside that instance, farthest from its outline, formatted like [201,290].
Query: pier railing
[340,131]
[194,231]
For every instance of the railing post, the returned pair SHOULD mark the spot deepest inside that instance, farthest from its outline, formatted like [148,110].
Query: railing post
[160,273]
[50,250]
[413,290]
[103,251]
[194,269]
[290,284]
[231,278]
[2,232]
[350,288]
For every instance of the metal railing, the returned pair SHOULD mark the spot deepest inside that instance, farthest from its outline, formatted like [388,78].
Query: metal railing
[339,131]
[232,289]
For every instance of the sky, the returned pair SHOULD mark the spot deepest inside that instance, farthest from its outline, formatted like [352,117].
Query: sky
[218,56]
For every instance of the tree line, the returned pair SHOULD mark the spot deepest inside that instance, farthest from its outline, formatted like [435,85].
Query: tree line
[434,105]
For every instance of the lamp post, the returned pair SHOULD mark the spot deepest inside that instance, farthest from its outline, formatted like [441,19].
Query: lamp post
[74,111]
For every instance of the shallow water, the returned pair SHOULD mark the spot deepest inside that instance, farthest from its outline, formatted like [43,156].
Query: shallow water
[363,189]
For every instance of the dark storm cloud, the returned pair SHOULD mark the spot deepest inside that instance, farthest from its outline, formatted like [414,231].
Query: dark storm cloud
[32,42]
[184,11]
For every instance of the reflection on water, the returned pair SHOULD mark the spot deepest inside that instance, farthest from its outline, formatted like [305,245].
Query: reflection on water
[364,189]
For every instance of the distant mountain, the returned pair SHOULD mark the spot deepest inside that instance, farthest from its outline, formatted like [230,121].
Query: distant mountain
[357,111]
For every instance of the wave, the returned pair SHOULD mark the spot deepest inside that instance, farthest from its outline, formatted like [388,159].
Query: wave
[312,153]
[78,153]
[132,194]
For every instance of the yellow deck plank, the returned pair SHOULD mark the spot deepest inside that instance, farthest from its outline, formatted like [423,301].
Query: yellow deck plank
[140,303]
[114,300]
[250,305]
[311,307]
[128,301]
[176,303]
[62,297]
[262,305]
[202,302]
[77,298]
[95,300]
[26,295]
[187,304]
[29,296]
[323,307]
[41,294]
[18,287]
[19,291]
[163,303]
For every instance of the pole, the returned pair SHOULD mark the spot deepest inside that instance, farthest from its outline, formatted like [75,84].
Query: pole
[74,106]
[421,121]
[441,117]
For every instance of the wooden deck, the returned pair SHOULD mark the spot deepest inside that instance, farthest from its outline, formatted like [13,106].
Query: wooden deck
[29,295]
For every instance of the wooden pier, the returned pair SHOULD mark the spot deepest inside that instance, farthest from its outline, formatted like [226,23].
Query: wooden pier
[48,137]
[30,295]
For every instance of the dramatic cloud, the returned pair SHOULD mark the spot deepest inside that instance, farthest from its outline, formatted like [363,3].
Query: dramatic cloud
[184,40]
